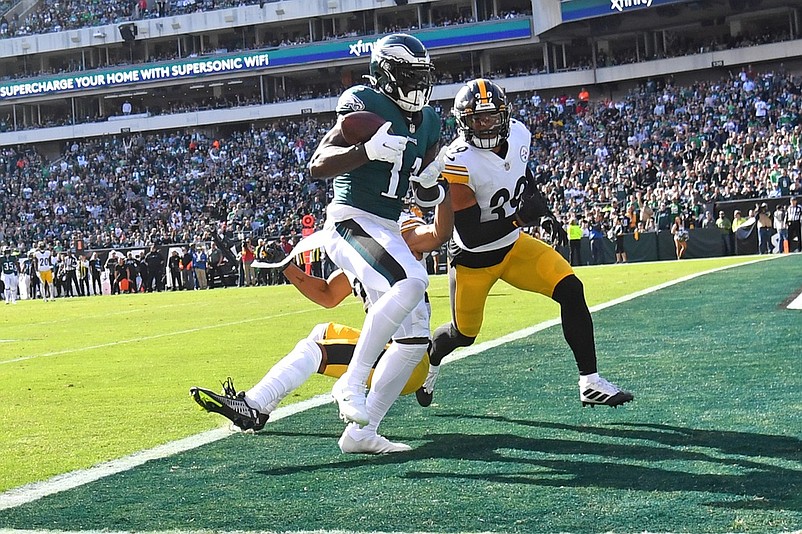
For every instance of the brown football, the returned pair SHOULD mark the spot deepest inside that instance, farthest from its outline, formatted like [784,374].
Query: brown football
[359,126]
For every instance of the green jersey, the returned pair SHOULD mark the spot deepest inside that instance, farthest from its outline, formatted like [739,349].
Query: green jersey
[10,264]
[379,187]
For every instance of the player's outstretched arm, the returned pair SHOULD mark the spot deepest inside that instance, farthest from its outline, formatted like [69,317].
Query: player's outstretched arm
[427,238]
[327,293]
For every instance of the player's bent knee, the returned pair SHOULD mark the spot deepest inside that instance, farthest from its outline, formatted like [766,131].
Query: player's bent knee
[411,290]
[569,290]
[318,333]
[447,338]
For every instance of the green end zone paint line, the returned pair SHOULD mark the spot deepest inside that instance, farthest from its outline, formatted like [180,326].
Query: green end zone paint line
[32,492]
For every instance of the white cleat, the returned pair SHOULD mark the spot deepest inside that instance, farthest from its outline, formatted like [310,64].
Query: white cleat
[374,444]
[593,390]
[350,403]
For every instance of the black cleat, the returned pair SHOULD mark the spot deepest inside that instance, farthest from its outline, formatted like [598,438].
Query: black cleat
[425,393]
[231,405]
[424,397]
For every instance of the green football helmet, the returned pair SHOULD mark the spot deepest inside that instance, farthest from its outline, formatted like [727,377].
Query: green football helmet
[400,68]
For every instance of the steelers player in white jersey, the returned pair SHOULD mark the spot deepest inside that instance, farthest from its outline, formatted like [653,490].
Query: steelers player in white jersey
[493,195]
[329,348]
[44,269]
[370,182]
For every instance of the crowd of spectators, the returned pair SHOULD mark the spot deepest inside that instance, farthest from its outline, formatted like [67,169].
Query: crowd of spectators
[660,151]
[321,89]
[665,150]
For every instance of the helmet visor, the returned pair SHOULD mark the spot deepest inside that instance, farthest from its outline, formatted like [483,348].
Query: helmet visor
[485,124]
[414,79]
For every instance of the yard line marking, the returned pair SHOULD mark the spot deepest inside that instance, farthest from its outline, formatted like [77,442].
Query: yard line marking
[796,304]
[157,336]
[37,490]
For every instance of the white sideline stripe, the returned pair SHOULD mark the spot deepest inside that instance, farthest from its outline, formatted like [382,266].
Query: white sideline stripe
[796,304]
[520,334]
[155,336]
[37,490]
[74,479]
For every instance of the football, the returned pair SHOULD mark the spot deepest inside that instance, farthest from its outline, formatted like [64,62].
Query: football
[359,126]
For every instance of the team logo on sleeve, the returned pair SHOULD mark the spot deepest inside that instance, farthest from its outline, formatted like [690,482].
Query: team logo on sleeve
[524,153]
[349,102]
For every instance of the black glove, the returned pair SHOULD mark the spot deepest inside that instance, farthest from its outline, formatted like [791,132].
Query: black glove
[532,206]
[429,197]
[552,226]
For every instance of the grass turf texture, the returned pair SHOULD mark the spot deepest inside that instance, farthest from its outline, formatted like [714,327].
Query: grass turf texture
[709,444]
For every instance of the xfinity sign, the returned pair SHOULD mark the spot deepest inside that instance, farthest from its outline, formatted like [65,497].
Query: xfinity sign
[361,47]
[621,5]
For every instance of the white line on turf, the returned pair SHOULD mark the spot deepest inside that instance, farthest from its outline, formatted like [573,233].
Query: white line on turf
[59,483]
[796,304]
[155,336]
[37,490]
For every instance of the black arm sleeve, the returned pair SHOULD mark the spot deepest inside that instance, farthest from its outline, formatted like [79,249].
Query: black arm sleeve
[475,233]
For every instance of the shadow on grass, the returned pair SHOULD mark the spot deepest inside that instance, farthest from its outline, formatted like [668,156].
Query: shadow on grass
[643,457]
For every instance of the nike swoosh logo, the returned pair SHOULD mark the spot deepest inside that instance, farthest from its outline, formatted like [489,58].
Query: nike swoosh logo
[210,400]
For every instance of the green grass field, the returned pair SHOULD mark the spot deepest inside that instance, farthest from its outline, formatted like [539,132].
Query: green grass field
[710,444]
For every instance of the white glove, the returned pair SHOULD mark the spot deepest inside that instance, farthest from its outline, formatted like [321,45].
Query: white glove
[428,177]
[384,146]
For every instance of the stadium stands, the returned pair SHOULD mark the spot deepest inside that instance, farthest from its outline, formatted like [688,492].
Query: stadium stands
[664,132]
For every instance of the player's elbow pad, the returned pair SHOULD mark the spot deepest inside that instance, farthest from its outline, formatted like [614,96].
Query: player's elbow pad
[429,197]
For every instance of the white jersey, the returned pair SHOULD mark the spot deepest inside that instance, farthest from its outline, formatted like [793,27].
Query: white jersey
[496,182]
[43,260]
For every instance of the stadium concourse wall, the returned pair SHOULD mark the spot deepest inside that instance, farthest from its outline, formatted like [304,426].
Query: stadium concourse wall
[657,246]
[703,242]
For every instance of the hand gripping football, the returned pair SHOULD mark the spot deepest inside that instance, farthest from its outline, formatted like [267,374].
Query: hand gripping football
[359,126]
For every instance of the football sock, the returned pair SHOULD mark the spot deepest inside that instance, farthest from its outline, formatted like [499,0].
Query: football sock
[389,378]
[285,376]
[381,322]
[577,323]
[445,340]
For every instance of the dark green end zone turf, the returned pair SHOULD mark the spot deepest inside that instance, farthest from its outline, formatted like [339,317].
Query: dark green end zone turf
[710,444]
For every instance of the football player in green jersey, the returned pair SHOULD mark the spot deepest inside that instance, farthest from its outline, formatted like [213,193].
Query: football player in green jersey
[10,263]
[371,180]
